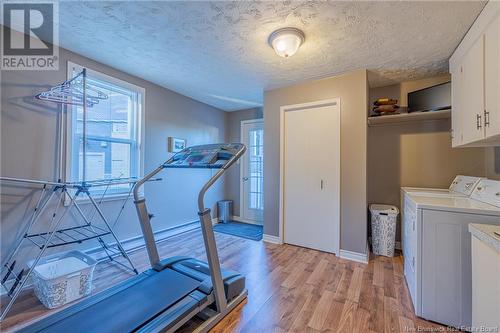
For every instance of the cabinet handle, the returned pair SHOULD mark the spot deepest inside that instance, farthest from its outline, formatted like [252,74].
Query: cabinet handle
[321,184]
[486,118]
[478,121]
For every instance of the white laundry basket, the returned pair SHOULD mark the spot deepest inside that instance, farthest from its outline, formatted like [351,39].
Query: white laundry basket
[383,218]
[62,278]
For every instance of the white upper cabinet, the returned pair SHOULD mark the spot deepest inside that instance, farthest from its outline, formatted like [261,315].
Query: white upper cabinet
[492,80]
[475,70]
[472,97]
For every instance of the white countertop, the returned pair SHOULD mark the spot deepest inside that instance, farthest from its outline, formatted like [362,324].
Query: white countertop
[486,233]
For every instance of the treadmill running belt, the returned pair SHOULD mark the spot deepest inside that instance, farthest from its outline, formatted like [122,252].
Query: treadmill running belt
[128,309]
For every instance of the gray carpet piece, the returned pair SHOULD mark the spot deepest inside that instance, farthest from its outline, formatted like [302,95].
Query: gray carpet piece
[244,230]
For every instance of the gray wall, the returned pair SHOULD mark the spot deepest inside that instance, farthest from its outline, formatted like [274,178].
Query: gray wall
[233,126]
[353,91]
[29,136]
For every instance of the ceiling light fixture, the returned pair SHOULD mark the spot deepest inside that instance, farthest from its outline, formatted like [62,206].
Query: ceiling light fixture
[286,41]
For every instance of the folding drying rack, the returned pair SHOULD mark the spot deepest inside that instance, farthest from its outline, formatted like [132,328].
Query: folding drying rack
[63,196]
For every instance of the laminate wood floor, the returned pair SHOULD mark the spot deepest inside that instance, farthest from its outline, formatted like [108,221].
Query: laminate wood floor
[290,289]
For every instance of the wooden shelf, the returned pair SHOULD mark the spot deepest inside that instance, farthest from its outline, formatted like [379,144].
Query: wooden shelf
[409,117]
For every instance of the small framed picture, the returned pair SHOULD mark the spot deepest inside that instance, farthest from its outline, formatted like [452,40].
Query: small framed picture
[175,145]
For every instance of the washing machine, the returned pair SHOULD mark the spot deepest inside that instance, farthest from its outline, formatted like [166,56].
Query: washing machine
[437,250]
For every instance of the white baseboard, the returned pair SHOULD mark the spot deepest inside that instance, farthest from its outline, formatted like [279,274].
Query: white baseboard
[356,256]
[130,244]
[272,239]
[240,219]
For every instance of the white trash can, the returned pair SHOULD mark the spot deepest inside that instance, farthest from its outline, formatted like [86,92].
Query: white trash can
[383,218]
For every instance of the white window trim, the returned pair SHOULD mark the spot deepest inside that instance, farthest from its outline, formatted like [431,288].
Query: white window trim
[66,162]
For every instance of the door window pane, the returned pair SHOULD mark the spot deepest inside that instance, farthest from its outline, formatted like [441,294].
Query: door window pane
[256,173]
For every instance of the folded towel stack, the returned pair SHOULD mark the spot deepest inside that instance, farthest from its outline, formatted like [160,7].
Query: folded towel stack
[384,106]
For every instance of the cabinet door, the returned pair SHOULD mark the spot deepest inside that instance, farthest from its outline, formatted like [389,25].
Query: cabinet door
[472,93]
[457,107]
[446,273]
[485,285]
[492,78]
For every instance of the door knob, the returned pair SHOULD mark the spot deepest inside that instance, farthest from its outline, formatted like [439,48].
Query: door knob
[245,179]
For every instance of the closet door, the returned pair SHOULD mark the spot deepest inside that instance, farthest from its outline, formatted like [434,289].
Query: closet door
[311,192]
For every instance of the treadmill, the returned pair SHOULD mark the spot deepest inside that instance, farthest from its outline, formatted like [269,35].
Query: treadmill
[174,290]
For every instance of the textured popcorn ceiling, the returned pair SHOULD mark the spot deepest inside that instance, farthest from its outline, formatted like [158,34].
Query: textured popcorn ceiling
[217,52]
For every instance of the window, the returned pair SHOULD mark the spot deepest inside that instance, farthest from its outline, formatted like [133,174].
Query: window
[114,129]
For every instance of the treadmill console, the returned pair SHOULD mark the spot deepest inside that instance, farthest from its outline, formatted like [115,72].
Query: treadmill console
[214,156]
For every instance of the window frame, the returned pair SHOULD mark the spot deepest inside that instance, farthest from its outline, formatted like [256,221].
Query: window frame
[66,162]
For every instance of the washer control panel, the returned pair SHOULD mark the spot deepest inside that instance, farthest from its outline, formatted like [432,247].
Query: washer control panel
[464,184]
[487,191]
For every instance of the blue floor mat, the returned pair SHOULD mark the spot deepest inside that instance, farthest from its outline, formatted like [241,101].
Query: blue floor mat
[245,230]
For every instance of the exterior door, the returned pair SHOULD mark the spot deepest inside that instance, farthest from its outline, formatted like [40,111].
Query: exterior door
[252,172]
[311,179]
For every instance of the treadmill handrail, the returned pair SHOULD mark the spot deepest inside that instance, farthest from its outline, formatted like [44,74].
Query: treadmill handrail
[204,214]
[209,238]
